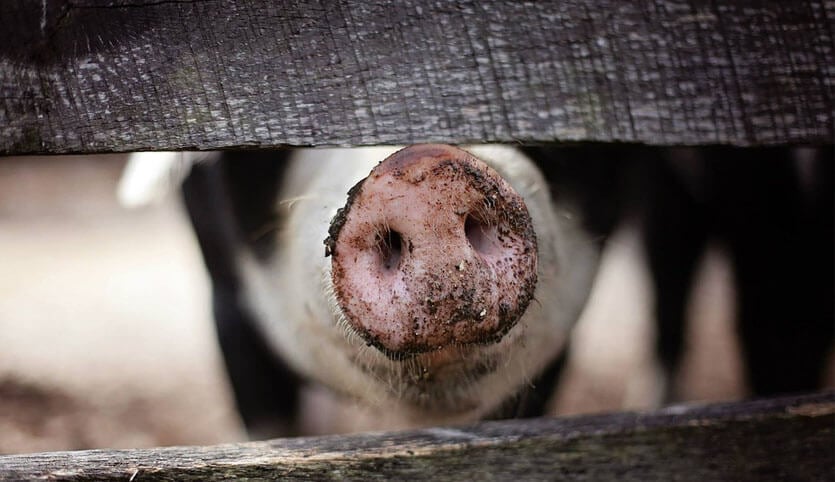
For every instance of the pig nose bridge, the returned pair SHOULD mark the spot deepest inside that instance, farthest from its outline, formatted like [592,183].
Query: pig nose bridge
[438,241]
[438,217]
[434,224]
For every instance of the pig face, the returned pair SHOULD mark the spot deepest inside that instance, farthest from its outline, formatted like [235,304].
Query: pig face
[452,277]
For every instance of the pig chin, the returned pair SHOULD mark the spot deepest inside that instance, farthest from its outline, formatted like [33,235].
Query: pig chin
[446,380]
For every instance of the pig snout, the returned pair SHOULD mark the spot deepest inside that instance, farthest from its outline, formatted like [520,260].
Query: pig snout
[433,249]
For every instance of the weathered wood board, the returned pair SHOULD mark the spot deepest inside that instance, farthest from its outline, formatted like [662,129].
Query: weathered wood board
[778,439]
[93,76]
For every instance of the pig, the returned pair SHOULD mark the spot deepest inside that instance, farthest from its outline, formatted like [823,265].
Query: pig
[310,252]
[430,284]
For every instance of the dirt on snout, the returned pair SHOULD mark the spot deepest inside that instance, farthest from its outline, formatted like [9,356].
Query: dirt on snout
[465,266]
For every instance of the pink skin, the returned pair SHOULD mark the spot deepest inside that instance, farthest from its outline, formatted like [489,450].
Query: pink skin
[433,249]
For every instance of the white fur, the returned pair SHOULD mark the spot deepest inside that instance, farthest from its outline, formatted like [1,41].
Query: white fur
[293,294]
[150,176]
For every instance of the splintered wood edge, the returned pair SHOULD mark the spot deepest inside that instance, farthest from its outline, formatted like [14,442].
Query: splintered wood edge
[779,438]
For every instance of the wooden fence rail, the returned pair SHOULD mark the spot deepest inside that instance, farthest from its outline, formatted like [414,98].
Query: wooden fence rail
[89,76]
[773,439]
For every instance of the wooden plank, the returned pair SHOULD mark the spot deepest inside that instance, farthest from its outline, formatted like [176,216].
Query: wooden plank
[778,439]
[90,76]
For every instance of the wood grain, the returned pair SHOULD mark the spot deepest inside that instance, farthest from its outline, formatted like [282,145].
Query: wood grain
[777,439]
[89,76]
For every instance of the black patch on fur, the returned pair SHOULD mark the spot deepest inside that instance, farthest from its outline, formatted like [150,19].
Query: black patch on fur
[596,178]
[227,201]
[251,180]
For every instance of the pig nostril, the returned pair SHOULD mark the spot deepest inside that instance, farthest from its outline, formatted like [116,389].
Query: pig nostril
[390,246]
[481,235]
